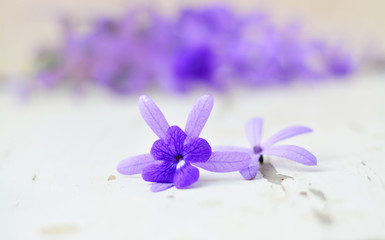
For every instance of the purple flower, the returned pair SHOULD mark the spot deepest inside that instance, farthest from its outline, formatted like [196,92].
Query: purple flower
[172,157]
[175,158]
[258,149]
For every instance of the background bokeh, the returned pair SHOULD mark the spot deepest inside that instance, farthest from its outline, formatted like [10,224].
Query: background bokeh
[26,26]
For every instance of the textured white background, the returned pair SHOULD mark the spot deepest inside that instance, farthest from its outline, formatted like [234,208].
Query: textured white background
[57,154]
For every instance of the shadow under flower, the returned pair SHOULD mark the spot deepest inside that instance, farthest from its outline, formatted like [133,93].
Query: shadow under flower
[270,173]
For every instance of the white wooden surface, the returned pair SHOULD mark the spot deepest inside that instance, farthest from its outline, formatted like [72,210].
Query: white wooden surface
[58,156]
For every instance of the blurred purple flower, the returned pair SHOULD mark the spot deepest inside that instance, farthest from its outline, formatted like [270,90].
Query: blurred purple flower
[205,38]
[332,60]
[174,154]
[339,62]
[194,63]
[125,53]
[69,64]
[258,149]
[210,46]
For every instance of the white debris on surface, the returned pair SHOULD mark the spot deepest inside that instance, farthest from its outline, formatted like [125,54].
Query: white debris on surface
[58,158]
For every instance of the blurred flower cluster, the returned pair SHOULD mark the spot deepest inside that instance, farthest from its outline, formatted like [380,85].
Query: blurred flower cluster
[211,46]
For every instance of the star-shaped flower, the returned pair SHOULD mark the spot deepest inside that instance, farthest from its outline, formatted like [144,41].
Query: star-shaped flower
[175,159]
[174,154]
[258,149]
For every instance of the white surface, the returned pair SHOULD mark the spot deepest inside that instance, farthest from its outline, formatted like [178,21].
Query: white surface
[58,156]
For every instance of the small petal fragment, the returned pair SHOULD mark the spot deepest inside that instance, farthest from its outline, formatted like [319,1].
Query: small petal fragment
[294,153]
[198,150]
[159,187]
[198,116]
[153,116]
[284,134]
[186,175]
[254,131]
[134,165]
[225,162]
[249,173]
[159,172]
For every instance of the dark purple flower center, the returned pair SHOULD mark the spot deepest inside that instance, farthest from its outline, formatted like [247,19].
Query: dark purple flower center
[257,149]
[179,157]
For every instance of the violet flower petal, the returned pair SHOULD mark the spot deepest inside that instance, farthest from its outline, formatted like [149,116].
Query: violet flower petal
[175,140]
[198,116]
[294,153]
[135,164]
[225,162]
[159,172]
[197,150]
[185,175]
[160,151]
[153,116]
[254,131]
[249,173]
[159,187]
[284,134]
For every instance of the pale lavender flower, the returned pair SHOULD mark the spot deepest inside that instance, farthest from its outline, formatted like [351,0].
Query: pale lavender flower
[259,149]
[172,158]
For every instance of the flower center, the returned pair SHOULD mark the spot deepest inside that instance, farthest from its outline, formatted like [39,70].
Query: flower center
[178,157]
[257,149]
